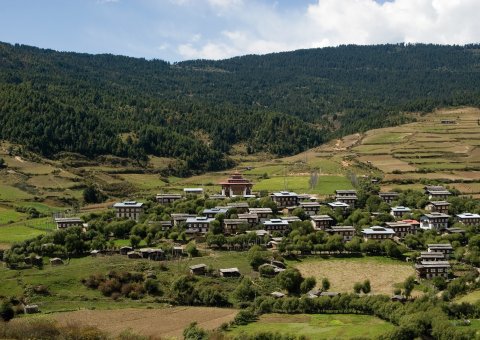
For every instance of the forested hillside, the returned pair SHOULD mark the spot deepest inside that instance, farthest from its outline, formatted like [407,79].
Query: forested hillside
[196,110]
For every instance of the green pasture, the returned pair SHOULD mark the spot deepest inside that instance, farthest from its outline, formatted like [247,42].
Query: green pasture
[318,326]
[11,193]
[385,138]
[8,215]
[326,184]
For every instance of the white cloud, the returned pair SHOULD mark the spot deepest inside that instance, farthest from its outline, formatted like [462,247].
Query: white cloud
[259,28]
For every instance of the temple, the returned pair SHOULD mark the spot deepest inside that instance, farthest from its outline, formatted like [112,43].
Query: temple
[236,185]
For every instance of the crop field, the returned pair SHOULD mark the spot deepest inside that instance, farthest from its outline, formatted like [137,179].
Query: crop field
[9,215]
[166,323]
[319,326]
[17,232]
[144,181]
[383,273]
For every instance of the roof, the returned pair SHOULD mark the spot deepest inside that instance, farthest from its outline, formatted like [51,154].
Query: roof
[193,189]
[390,193]
[410,221]
[309,204]
[378,230]
[260,210]
[439,192]
[68,219]
[440,246]
[468,215]
[346,192]
[169,195]
[215,210]
[342,228]
[436,215]
[346,197]
[277,294]
[291,218]
[247,216]
[321,218]
[128,204]
[284,194]
[433,264]
[217,197]
[399,224]
[434,188]
[433,254]
[199,219]
[401,208]
[439,203]
[181,216]
[259,232]
[229,270]
[234,221]
[276,221]
[338,205]
[198,266]
[238,204]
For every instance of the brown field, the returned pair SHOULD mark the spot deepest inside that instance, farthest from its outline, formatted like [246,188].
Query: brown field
[343,273]
[156,323]
[387,163]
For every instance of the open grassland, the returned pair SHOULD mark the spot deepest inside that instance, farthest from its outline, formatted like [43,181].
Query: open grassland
[383,273]
[67,293]
[165,323]
[319,326]
[326,185]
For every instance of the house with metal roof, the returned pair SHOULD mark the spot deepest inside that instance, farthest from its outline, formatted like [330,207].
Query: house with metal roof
[400,211]
[434,221]
[129,209]
[377,233]
[285,199]
[469,219]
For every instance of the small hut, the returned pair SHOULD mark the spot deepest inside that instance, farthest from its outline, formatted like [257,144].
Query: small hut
[56,261]
[198,269]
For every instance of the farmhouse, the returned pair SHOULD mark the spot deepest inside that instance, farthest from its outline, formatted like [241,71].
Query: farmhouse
[231,225]
[211,213]
[400,211]
[377,233]
[236,185]
[434,220]
[193,191]
[310,208]
[129,209]
[438,194]
[198,269]
[229,272]
[241,207]
[438,206]
[152,254]
[388,197]
[469,219]
[346,196]
[181,218]
[168,198]
[431,256]
[285,199]
[322,222]
[199,224]
[429,188]
[250,219]
[65,222]
[401,229]
[431,269]
[30,309]
[276,224]
[262,213]
[347,232]
[445,248]
[177,251]
[339,205]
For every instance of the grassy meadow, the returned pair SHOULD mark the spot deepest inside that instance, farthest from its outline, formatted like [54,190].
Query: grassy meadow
[318,326]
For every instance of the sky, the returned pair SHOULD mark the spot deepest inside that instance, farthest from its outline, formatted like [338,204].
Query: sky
[176,30]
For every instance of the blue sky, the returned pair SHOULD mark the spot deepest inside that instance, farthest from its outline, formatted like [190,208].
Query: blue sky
[176,30]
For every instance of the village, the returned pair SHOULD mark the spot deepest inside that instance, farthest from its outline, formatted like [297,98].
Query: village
[269,225]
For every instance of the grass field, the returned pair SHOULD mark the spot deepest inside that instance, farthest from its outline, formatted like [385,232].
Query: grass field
[319,326]
[167,323]
[472,297]
[17,233]
[382,272]
[8,215]
[326,184]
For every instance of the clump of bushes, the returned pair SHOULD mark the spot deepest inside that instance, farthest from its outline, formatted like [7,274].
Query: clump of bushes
[123,284]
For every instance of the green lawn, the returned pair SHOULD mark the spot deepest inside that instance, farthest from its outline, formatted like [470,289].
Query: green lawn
[8,215]
[17,233]
[326,184]
[319,326]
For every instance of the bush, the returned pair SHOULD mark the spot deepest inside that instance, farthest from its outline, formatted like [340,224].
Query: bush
[193,332]
[244,317]
[6,311]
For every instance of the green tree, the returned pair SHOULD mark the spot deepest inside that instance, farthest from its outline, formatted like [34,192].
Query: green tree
[357,287]
[6,311]
[193,332]
[135,241]
[366,288]
[325,284]
[308,284]
[290,279]
[408,285]
[2,163]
